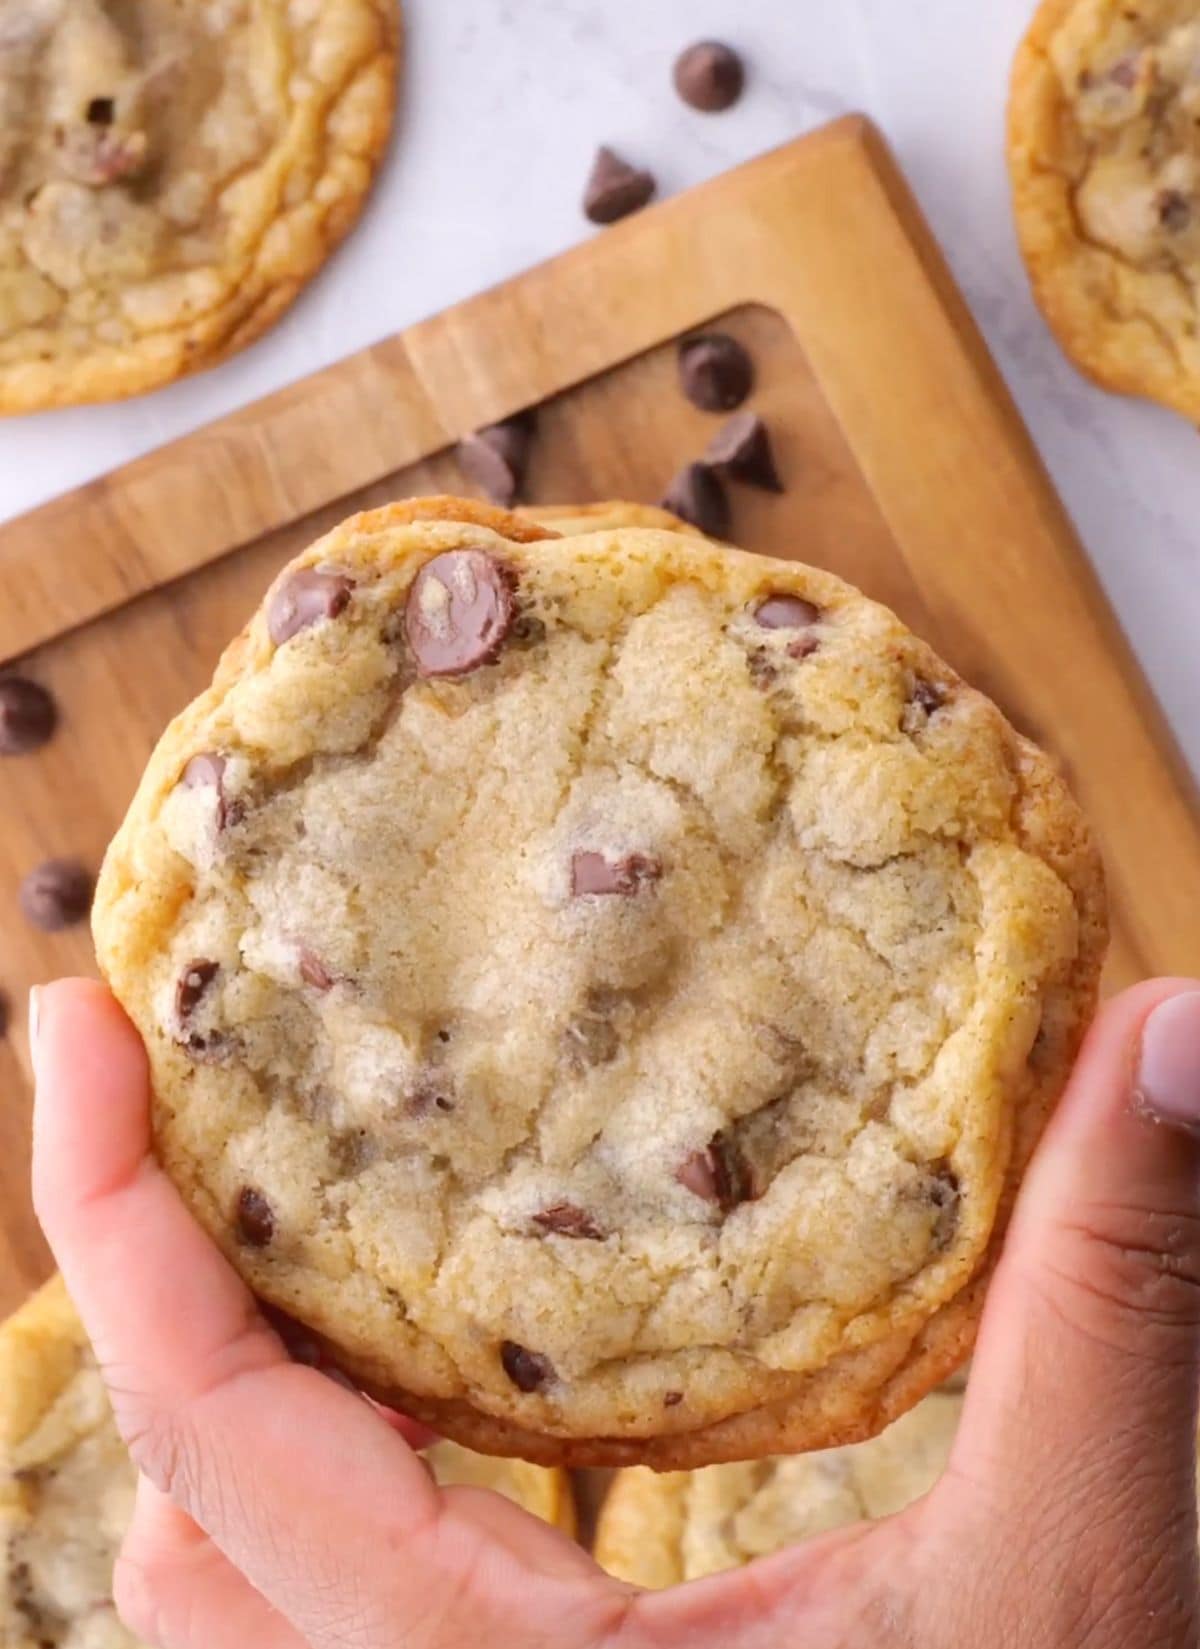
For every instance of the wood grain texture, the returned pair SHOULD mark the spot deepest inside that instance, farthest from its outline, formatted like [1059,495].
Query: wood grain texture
[908,472]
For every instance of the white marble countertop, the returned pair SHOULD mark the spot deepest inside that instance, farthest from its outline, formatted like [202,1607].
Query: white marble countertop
[504,102]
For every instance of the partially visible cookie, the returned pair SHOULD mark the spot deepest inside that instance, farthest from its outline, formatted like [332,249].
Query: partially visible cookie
[1104,153]
[171,176]
[607,986]
[658,1530]
[67,1484]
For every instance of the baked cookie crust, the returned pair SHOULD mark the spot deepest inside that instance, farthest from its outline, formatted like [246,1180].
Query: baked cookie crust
[172,176]
[1104,156]
[606,987]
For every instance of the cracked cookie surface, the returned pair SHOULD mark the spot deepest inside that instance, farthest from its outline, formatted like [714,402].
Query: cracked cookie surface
[607,986]
[659,1530]
[67,1484]
[1104,153]
[171,176]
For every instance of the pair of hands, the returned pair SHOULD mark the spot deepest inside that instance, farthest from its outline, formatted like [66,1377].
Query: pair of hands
[277,1509]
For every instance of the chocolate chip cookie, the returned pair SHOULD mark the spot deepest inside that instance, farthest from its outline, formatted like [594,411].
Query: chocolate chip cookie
[171,176]
[606,986]
[67,1484]
[660,1529]
[1104,151]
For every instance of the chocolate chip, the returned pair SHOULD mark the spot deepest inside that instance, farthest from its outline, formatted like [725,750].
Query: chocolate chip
[566,1219]
[785,612]
[927,696]
[55,895]
[28,716]
[5,1014]
[715,371]
[593,873]
[672,1399]
[720,1174]
[696,1174]
[303,599]
[615,188]
[101,111]
[528,1370]
[314,972]
[192,984]
[459,610]
[742,449]
[428,1098]
[709,76]
[495,458]
[255,1218]
[208,771]
[1124,72]
[805,647]
[1174,210]
[697,496]
[943,1192]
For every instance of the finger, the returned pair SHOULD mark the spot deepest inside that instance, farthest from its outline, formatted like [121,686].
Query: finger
[302,1485]
[174,1589]
[1081,1409]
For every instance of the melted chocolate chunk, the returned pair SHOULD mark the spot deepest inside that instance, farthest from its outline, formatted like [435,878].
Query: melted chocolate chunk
[460,608]
[715,371]
[592,873]
[303,599]
[528,1370]
[709,76]
[742,449]
[192,984]
[615,188]
[255,1218]
[566,1219]
[56,894]
[28,716]
[785,612]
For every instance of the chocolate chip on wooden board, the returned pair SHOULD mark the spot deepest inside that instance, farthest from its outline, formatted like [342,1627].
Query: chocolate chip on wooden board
[741,449]
[697,497]
[496,456]
[715,371]
[615,188]
[460,608]
[56,894]
[28,716]
[709,76]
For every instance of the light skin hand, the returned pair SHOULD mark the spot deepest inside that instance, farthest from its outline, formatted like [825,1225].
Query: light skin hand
[277,1508]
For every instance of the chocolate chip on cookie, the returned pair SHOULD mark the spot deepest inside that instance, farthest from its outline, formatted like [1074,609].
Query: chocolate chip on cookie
[460,608]
[192,985]
[709,76]
[495,457]
[28,716]
[715,371]
[742,449]
[672,1399]
[1174,210]
[101,111]
[528,1370]
[314,972]
[720,1174]
[594,873]
[567,1219]
[927,696]
[57,894]
[615,188]
[205,772]
[697,497]
[785,612]
[303,599]
[255,1217]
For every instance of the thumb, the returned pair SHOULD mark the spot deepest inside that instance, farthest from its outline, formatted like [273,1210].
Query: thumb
[1081,1413]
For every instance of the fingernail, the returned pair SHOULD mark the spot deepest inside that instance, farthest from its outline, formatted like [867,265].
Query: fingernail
[1167,1084]
[34,1016]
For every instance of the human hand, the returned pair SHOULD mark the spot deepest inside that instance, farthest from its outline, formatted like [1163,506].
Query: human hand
[277,1509]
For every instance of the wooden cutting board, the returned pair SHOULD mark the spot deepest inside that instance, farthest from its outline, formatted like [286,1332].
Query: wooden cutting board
[908,471]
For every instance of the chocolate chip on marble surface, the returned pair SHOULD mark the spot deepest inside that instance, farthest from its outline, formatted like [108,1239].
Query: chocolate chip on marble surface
[593,873]
[56,894]
[785,612]
[459,610]
[496,456]
[709,76]
[715,371]
[697,497]
[742,449]
[192,985]
[255,1218]
[528,1370]
[615,188]
[303,599]
[28,716]
[567,1219]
